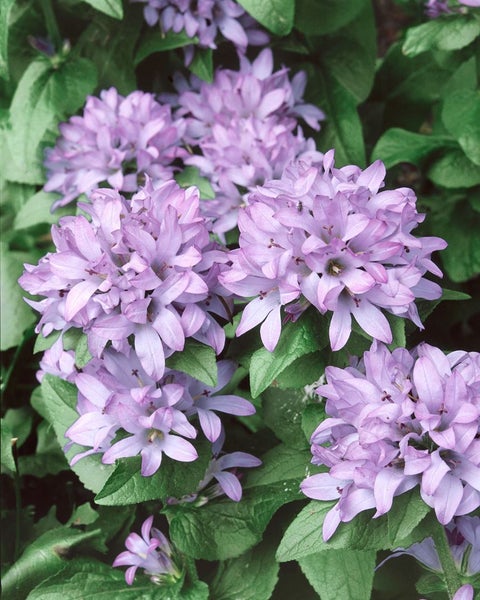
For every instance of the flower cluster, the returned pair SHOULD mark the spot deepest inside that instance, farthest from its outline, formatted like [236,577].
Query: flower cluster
[116,141]
[328,237]
[151,552]
[116,394]
[435,8]
[144,268]
[397,420]
[244,127]
[203,19]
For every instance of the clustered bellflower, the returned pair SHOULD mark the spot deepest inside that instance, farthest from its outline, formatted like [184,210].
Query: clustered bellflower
[244,129]
[397,420]
[151,552]
[328,237]
[436,8]
[116,141]
[204,19]
[144,268]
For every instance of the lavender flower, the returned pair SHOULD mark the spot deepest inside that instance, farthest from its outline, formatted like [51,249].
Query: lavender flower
[463,534]
[116,141]
[151,552]
[244,128]
[145,268]
[203,19]
[436,8]
[397,420]
[328,237]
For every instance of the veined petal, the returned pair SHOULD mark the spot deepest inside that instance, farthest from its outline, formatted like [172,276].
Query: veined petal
[149,349]
[78,297]
[230,485]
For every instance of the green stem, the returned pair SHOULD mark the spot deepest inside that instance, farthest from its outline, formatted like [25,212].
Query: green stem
[450,572]
[51,23]
[18,500]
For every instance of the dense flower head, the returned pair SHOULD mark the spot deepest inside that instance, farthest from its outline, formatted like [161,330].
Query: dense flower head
[151,552]
[116,394]
[116,140]
[144,267]
[328,237]
[204,19]
[397,420]
[244,128]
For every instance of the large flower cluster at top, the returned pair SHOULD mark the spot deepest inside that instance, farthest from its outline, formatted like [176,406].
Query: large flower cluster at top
[144,268]
[329,237]
[397,420]
[244,129]
[116,140]
[203,19]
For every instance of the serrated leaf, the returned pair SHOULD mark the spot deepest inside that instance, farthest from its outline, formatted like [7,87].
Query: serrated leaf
[237,525]
[454,170]
[398,145]
[112,8]
[15,315]
[196,359]
[451,32]
[296,339]
[158,41]
[276,15]
[202,64]
[60,399]
[461,116]
[191,176]
[127,486]
[44,557]
[326,572]
[43,96]
[251,576]
[304,535]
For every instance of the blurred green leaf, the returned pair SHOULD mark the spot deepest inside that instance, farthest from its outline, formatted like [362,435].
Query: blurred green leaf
[6,440]
[15,315]
[5,9]
[37,210]
[326,572]
[449,32]
[158,41]
[282,412]
[20,422]
[276,15]
[191,176]
[112,8]
[319,17]
[454,170]
[202,64]
[461,116]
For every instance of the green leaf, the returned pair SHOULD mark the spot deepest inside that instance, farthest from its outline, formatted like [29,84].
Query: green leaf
[112,8]
[224,529]
[251,576]
[461,116]
[276,15]
[296,339]
[326,573]
[312,416]
[301,372]
[43,96]
[282,412]
[397,325]
[20,422]
[15,315]
[398,145]
[37,210]
[60,398]
[126,485]
[202,64]
[454,170]
[342,128]
[5,9]
[6,439]
[318,17]
[459,226]
[197,360]
[450,32]
[304,535]
[82,353]
[43,343]
[43,558]
[158,41]
[191,176]
[48,458]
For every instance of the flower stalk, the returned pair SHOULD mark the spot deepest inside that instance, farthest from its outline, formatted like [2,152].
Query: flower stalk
[450,572]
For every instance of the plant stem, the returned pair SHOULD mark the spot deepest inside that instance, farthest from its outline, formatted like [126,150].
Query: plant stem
[450,572]
[51,23]
[18,499]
